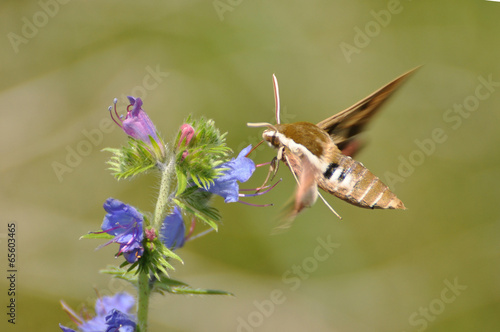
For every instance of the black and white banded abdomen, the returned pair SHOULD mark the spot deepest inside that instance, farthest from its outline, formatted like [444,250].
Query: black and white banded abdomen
[349,180]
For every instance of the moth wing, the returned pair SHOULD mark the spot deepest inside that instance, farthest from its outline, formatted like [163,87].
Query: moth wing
[306,192]
[343,126]
[307,189]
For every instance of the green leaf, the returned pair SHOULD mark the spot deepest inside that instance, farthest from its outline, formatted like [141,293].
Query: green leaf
[172,286]
[97,235]
[199,291]
[181,181]
[121,274]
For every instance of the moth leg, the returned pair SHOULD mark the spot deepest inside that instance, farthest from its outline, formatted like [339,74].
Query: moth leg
[273,168]
[280,152]
[276,161]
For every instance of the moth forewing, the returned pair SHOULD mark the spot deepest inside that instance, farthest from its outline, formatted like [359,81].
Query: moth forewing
[307,191]
[351,121]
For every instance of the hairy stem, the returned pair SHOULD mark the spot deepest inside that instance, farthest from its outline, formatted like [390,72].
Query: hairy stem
[163,206]
[167,186]
[144,290]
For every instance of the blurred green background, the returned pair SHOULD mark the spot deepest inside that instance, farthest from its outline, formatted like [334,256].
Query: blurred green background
[389,270]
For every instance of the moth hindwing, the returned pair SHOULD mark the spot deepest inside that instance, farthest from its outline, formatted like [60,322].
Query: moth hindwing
[320,155]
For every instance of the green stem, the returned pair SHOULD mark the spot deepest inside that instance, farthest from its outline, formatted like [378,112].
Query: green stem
[163,204]
[144,291]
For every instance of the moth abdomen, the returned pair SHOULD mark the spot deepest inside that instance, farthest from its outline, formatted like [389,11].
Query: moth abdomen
[349,180]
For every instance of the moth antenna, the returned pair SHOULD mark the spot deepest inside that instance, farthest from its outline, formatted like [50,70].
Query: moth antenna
[276,98]
[329,206]
[261,124]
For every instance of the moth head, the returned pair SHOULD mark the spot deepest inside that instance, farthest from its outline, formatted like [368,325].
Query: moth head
[270,135]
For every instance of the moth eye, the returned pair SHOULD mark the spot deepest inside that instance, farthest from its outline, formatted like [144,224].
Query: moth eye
[272,138]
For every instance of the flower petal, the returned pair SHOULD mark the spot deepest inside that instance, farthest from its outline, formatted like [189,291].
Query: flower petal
[120,301]
[125,223]
[138,125]
[66,329]
[173,230]
[117,321]
[111,315]
[228,190]
[119,216]
[239,169]
[132,255]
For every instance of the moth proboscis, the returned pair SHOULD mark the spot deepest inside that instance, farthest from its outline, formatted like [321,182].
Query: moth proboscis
[320,155]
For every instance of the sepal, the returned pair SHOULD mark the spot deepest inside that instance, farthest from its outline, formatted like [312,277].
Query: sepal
[154,261]
[133,159]
[197,160]
[197,202]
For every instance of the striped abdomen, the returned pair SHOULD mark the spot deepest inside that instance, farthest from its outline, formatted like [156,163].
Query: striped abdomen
[351,181]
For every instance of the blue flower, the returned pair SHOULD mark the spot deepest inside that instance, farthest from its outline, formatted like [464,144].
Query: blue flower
[117,321]
[111,315]
[239,169]
[172,231]
[125,223]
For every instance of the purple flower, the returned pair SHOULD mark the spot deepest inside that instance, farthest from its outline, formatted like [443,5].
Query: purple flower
[111,315]
[125,223]
[137,123]
[172,232]
[239,169]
